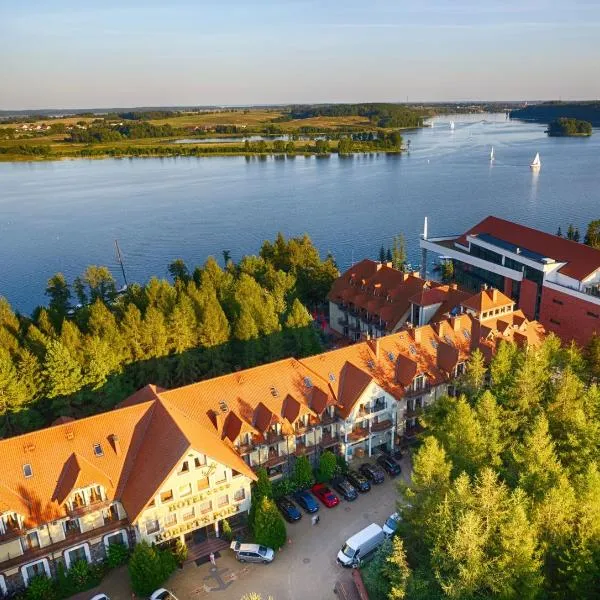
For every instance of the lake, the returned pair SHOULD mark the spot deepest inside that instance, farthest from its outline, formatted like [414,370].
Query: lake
[65,215]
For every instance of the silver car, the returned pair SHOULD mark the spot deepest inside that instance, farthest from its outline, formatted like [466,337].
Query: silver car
[252,552]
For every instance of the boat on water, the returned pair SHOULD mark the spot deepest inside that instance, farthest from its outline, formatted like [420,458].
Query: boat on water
[492,157]
[536,163]
[452,125]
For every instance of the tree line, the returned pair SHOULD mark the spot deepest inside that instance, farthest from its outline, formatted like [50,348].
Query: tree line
[569,127]
[91,346]
[504,498]
[592,234]
[105,132]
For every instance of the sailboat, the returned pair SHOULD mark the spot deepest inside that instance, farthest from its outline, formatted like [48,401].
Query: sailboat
[537,163]
[492,157]
[452,125]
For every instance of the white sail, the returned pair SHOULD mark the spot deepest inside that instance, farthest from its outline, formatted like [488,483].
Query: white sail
[492,154]
[536,161]
[451,124]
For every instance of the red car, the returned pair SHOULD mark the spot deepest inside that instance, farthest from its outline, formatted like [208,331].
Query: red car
[325,495]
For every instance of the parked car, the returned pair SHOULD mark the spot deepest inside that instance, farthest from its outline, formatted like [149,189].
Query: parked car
[100,597]
[163,594]
[391,467]
[344,488]
[372,472]
[325,495]
[306,501]
[391,524]
[288,509]
[252,552]
[360,482]
[360,545]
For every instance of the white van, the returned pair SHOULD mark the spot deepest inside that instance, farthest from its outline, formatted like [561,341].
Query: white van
[360,545]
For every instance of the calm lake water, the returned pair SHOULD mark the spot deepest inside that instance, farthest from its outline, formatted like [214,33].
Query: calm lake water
[64,215]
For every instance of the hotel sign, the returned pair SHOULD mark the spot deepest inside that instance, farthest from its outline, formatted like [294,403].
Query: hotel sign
[196,498]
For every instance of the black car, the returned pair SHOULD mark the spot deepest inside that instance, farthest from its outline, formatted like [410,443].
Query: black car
[345,488]
[288,509]
[372,472]
[360,482]
[391,467]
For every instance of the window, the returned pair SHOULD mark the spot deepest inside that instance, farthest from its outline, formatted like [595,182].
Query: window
[151,503]
[32,540]
[188,514]
[200,461]
[34,569]
[205,507]
[185,490]
[152,526]
[203,484]
[557,301]
[239,495]
[185,467]
[115,538]
[222,477]
[554,321]
[166,496]
[71,526]
[98,451]
[171,519]
[591,314]
[76,554]
[27,471]
[223,501]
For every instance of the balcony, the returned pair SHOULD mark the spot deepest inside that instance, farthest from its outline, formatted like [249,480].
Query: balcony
[11,533]
[411,413]
[328,419]
[343,321]
[329,440]
[382,425]
[84,509]
[357,434]
[424,389]
[40,552]
[243,449]
[367,411]
[272,437]
[303,449]
[272,461]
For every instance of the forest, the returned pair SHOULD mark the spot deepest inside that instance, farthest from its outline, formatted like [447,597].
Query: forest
[92,346]
[504,500]
[564,127]
[380,114]
[549,111]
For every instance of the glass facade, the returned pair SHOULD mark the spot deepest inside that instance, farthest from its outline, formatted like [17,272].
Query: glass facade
[473,278]
[485,254]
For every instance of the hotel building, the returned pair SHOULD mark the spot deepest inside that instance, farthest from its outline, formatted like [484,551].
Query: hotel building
[172,464]
[553,280]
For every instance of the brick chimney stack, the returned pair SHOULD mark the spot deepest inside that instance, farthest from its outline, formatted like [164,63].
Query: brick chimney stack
[374,345]
[116,444]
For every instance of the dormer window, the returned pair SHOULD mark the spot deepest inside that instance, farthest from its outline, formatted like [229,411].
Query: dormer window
[27,471]
[185,467]
[98,451]
[308,382]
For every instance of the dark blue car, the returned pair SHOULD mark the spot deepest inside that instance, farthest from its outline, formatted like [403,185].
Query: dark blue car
[306,501]
[288,509]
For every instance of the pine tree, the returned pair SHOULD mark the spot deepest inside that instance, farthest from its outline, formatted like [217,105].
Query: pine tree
[576,235]
[396,570]
[179,271]
[59,293]
[388,255]
[571,232]
[399,252]
[213,326]
[491,420]
[473,380]
[145,569]
[13,392]
[559,233]
[269,526]
[154,336]
[182,325]
[61,371]
[382,254]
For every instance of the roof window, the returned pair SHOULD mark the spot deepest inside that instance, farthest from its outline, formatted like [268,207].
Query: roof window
[371,364]
[308,382]
[466,334]
[223,406]
[412,349]
[274,391]
[391,356]
[434,343]
[98,451]
[27,470]
[331,377]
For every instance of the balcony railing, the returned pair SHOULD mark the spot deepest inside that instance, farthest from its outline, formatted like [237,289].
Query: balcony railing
[382,425]
[329,440]
[371,410]
[411,413]
[272,437]
[302,449]
[424,389]
[41,551]
[11,533]
[358,434]
[272,461]
[328,419]
[245,448]
[84,509]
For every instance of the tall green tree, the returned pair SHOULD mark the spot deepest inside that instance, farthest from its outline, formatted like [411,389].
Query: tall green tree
[269,526]
[62,371]
[592,235]
[399,252]
[59,293]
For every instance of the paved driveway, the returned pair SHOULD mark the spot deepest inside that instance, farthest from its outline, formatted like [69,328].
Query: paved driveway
[305,569]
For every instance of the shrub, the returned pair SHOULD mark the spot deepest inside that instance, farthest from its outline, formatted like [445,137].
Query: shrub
[269,525]
[80,575]
[283,487]
[117,555]
[227,533]
[303,475]
[341,465]
[327,467]
[41,588]
[149,568]
[180,553]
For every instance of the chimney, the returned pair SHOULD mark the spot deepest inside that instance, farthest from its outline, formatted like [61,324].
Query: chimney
[494,295]
[116,444]
[454,286]
[440,328]
[455,321]
[374,345]
[484,287]
[405,276]
[417,335]
[389,265]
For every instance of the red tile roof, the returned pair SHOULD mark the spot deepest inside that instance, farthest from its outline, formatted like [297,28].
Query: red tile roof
[581,260]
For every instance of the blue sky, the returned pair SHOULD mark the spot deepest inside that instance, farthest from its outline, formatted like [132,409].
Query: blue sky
[67,53]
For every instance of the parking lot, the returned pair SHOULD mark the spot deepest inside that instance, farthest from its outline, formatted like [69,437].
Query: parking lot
[305,568]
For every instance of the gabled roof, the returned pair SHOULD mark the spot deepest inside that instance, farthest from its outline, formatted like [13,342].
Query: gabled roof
[79,473]
[353,382]
[487,299]
[581,260]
